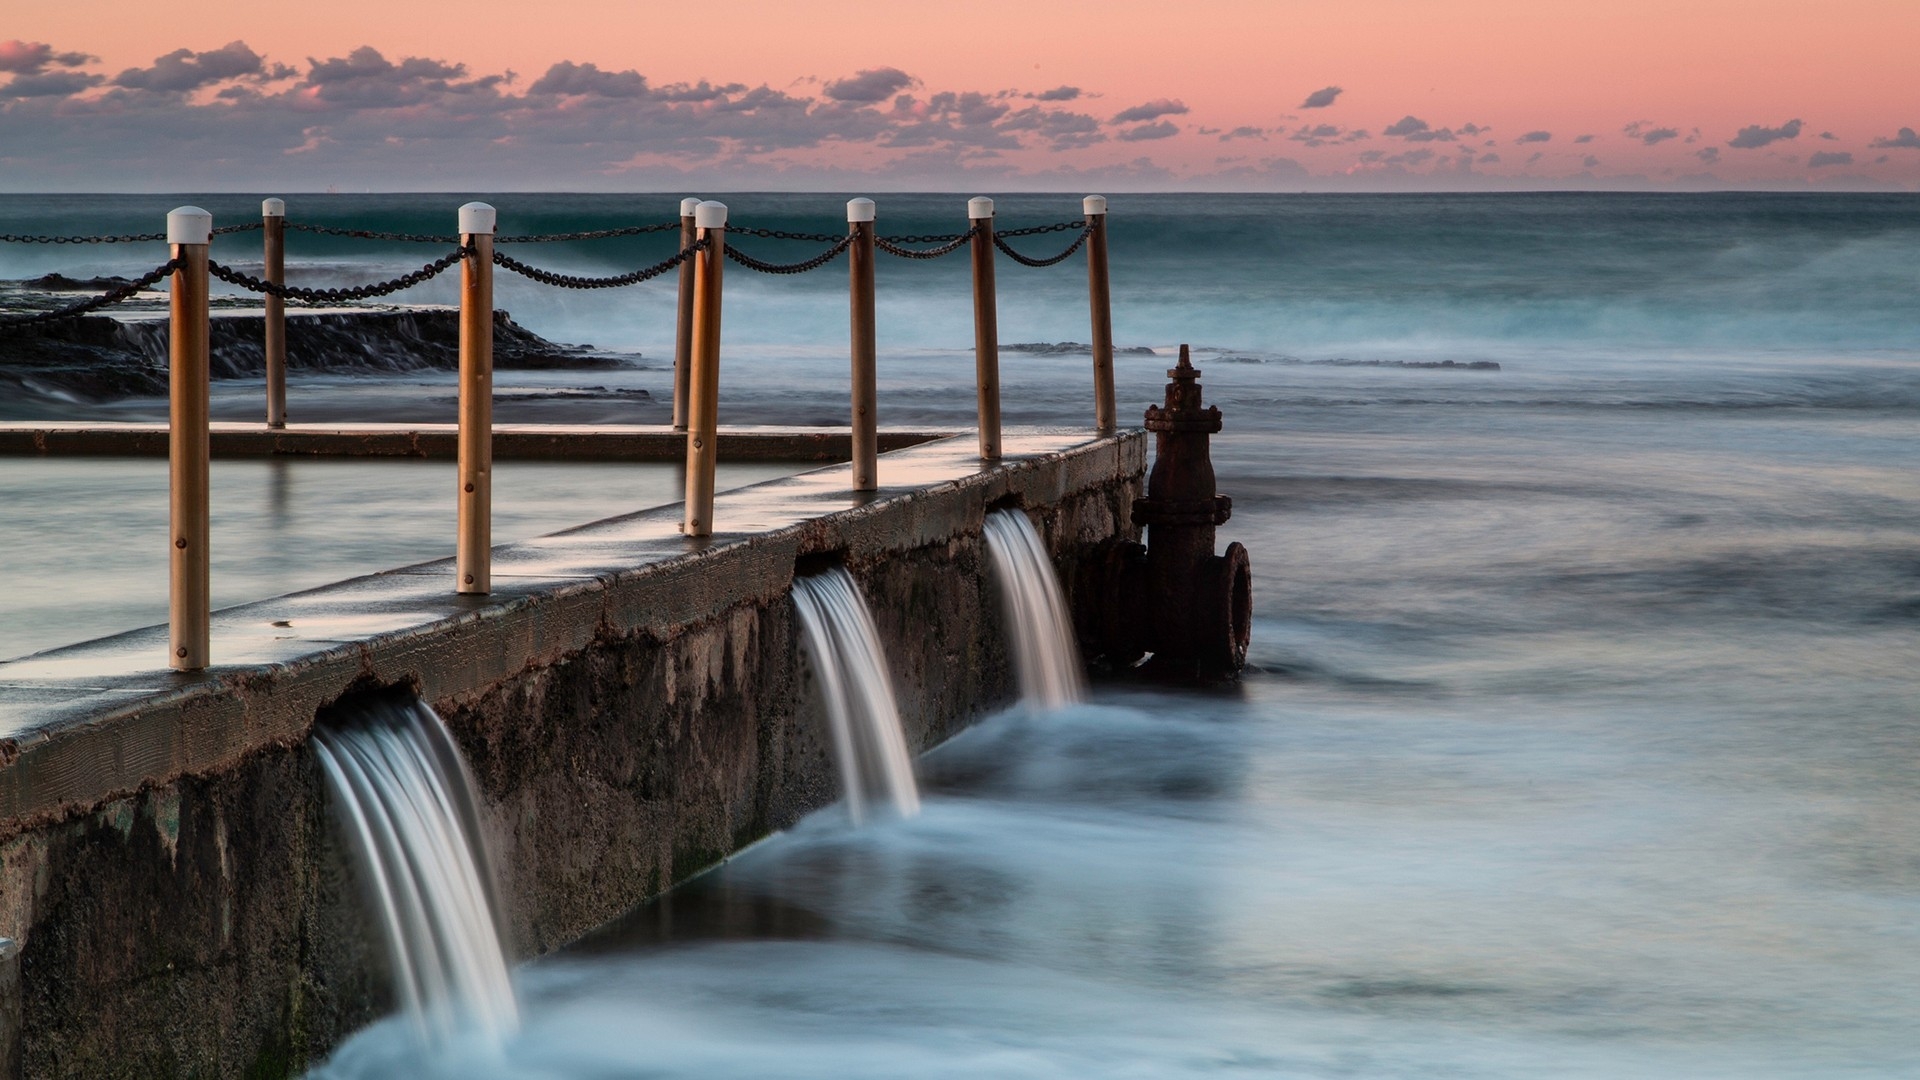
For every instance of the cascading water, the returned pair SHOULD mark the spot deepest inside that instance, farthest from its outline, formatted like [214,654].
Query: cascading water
[857,689]
[1044,654]
[405,795]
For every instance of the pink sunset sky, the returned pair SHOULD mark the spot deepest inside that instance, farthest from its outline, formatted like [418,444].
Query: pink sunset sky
[1285,95]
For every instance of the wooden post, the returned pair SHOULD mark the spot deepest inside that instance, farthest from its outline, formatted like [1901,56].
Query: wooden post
[273,228]
[986,329]
[189,599]
[683,330]
[1100,307]
[473,562]
[866,437]
[703,396]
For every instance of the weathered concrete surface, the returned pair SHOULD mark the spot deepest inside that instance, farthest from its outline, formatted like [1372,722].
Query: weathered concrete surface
[511,442]
[633,704]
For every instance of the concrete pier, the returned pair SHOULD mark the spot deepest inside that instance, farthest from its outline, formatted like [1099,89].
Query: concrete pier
[633,704]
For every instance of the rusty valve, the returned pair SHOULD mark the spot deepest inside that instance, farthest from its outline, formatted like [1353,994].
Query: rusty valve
[1173,597]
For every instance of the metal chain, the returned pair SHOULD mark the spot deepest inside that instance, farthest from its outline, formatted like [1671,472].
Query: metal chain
[125,239]
[335,296]
[94,303]
[814,263]
[1058,226]
[369,234]
[941,238]
[949,245]
[603,234]
[776,234]
[567,281]
[599,234]
[1025,261]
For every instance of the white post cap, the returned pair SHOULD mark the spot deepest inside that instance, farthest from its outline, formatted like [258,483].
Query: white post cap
[189,225]
[476,219]
[273,208]
[859,210]
[979,207]
[710,215]
[1094,204]
[687,205]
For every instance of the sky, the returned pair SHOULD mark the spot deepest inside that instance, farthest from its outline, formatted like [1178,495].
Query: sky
[1256,95]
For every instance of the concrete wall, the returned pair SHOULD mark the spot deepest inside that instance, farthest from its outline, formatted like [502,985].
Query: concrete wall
[625,729]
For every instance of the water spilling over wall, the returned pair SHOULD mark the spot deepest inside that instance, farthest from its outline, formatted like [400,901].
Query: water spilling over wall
[1038,620]
[857,690]
[404,795]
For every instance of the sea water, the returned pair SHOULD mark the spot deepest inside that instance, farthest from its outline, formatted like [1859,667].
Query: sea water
[1582,736]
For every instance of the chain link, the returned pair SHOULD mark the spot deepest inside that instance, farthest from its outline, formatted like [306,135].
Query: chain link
[777,234]
[369,234]
[336,296]
[94,303]
[131,238]
[1025,261]
[938,238]
[602,234]
[1036,230]
[814,263]
[567,281]
[948,244]
[123,238]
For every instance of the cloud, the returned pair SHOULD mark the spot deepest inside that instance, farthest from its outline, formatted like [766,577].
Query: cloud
[869,85]
[1321,98]
[1063,130]
[1754,136]
[1709,154]
[1244,133]
[51,84]
[33,57]
[696,92]
[1829,136]
[1152,110]
[184,70]
[1647,133]
[1058,93]
[1161,130]
[568,79]
[1535,136]
[1906,140]
[1474,129]
[365,79]
[1414,129]
[1823,159]
[1590,161]
[1583,138]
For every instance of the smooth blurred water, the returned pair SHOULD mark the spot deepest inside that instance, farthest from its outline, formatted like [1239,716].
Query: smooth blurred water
[1038,618]
[1584,733]
[405,798]
[848,672]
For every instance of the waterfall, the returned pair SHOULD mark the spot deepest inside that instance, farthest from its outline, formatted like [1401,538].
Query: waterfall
[857,689]
[406,798]
[1044,654]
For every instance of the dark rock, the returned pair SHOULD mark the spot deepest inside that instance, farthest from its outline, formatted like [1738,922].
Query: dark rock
[57,282]
[99,357]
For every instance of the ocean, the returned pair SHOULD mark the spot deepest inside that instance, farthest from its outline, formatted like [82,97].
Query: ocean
[1582,732]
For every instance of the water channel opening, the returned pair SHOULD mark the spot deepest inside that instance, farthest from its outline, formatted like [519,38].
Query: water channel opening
[406,799]
[1040,627]
[856,689]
